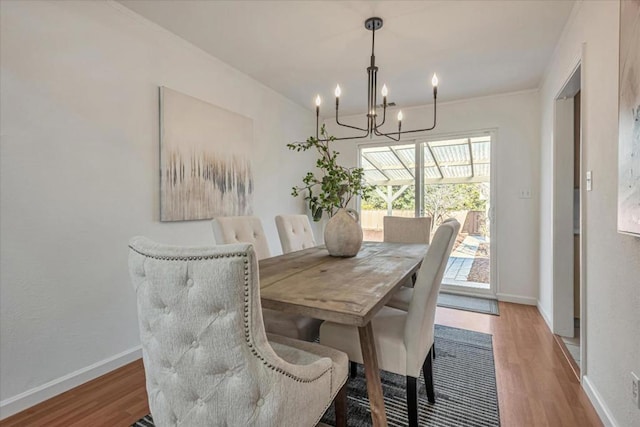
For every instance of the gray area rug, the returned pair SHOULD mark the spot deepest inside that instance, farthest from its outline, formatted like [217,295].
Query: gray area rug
[467,303]
[464,381]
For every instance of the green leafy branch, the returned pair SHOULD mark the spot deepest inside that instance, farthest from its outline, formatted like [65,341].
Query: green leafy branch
[336,186]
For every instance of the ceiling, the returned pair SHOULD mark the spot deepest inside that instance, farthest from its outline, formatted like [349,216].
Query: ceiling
[303,48]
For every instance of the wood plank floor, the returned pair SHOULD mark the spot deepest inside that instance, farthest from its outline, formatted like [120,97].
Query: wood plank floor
[536,385]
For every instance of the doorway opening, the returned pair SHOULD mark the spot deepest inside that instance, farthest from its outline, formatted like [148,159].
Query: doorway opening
[439,179]
[567,230]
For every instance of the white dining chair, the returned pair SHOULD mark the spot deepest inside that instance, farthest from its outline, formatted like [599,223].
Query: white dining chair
[403,338]
[207,358]
[398,229]
[295,232]
[248,229]
[241,229]
[401,299]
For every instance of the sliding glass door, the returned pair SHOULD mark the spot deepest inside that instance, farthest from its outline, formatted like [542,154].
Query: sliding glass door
[440,179]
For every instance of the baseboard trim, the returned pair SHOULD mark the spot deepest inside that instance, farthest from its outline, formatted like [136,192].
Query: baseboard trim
[39,394]
[545,315]
[598,403]
[516,299]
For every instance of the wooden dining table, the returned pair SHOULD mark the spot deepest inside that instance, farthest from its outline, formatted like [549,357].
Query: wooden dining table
[342,290]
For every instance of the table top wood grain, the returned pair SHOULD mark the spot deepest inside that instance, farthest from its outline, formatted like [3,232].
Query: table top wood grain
[342,290]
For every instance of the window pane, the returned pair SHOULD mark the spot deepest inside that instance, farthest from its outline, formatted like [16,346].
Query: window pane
[481,151]
[456,171]
[482,169]
[373,211]
[448,154]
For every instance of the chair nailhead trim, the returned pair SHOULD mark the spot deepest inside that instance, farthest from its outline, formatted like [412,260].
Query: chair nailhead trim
[188,258]
[247,329]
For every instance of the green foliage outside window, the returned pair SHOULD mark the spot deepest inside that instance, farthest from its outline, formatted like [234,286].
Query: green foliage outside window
[406,201]
[439,199]
[442,199]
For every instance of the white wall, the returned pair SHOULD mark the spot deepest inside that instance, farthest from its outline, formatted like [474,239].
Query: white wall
[79,177]
[516,117]
[612,260]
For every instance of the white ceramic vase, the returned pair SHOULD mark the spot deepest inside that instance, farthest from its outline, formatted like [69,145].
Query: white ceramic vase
[343,234]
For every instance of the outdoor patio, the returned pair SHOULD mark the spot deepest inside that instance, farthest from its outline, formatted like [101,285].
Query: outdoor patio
[469,263]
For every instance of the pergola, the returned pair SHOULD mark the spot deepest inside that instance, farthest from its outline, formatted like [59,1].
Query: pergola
[454,161]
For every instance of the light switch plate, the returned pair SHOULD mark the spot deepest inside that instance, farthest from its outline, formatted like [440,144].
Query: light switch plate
[525,193]
[589,181]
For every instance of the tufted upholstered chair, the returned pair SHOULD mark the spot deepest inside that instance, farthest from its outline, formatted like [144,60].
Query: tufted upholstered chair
[398,229]
[404,339]
[207,359]
[241,229]
[295,232]
[248,229]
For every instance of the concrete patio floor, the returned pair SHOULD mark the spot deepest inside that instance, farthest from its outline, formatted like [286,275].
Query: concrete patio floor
[461,262]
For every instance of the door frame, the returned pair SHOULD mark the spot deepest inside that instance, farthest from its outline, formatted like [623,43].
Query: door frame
[570,86]
[494,285]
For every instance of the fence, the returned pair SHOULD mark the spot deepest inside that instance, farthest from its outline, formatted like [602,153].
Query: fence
[473,222]
[372,220]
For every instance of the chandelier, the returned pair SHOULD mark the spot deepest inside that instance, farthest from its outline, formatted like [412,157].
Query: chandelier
[373,127]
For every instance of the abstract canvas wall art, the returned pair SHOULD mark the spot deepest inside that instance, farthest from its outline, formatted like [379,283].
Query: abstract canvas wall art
[205,167]
[629,119]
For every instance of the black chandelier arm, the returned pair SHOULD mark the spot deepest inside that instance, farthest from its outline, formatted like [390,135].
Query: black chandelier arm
[336,139]
[406,131]
[347,137]
[384,118]
[415,130]
[344,124]
[349,126]
[392,138]
[376,132]
[388,135]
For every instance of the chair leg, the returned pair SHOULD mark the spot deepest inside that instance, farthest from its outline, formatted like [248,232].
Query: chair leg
[340,406]
[433,351]
[427,370]
[353,370]
[412,401]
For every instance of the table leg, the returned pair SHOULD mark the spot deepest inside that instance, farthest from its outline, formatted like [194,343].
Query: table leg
[372,373]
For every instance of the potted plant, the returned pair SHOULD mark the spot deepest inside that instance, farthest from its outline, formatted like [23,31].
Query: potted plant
[330,192]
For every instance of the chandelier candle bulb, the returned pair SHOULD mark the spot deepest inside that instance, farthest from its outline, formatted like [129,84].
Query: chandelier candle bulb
[399,116]
[338,91]
[434,82]
[384,91]
[318,102]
